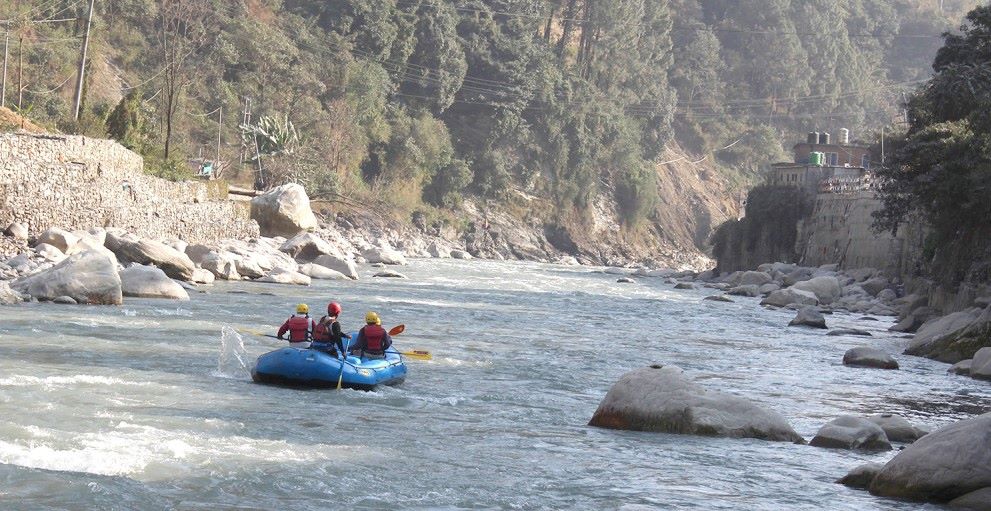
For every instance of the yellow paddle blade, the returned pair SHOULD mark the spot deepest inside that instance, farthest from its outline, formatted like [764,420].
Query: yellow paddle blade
[417,355]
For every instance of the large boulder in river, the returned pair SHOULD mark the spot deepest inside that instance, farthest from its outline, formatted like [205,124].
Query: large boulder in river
[979,500]
[896,428]
[665,400]
[980,366]
[809,316]
[953,337]
[87,277]
[827,289]
[150,282]
[341,264]
[786,297]
[862,476]
[948,463]
[848,432]
[175,264]
[222,264]
[866,356]
[306,247]
[283,211]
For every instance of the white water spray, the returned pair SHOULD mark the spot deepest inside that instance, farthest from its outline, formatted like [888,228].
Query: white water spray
[231,361]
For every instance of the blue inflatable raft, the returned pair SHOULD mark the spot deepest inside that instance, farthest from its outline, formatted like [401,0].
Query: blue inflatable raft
[316,368]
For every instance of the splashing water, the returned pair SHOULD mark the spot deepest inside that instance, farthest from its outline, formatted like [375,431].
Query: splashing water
[230,362]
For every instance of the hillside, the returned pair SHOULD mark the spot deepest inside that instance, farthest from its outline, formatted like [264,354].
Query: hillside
[429,109]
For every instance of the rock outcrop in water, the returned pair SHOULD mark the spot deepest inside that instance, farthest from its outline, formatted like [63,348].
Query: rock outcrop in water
[849,432]
[946,464]
[663,399]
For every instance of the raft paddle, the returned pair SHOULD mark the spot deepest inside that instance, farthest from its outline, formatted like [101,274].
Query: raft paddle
[415,354]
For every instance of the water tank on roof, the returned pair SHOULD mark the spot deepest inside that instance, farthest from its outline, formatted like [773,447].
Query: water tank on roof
[813,137]
[844,136]
[824,138]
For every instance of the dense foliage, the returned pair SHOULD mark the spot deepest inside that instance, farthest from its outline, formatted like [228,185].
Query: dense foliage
[941,167]
[429,100]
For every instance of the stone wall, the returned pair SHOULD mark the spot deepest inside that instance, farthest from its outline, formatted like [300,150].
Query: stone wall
[76,182]
[839,231]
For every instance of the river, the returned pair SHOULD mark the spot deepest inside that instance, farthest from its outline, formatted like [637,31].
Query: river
[150,406]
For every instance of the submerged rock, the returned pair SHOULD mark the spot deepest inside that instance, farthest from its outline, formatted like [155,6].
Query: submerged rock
[664,399]
[850,331]
[861,476]
[786,297]
[718,298]
[896,428]
[848,432]
[961,367]
[946,464]
[809,316]
[979,500]
[389,274]
[865,356]
[684,285]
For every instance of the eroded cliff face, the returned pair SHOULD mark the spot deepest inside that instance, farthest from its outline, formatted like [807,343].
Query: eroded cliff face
[693,200]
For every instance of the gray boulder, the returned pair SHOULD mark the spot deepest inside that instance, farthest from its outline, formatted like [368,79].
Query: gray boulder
[887,296]
[389,274]
[197,253]
[306,247]
[980,367]
[664,399]
[65,300]
[946,464]
[768,288]
[684,285]
[754,278]
[7,295]
[315,271]
[914,320]
[953,337]
[875,285]
[788,296]
[862,476]
[283,276]
[625,280]
[809,316]
[460,254]
[827,289]
[222,264]
[797,275]
[150,282]
[848,432]
[850,331]
[751,290]
[439,251]
[340,264]
[979,500]
[58,238]
[896,428]
[49,252]
[283,211]
[961,367]
[202,276]
[17,230]
[865,356]
[175,264]
[718,298]
[87,277]
[384,255]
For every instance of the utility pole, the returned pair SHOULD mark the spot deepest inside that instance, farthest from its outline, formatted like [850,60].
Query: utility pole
[20,70]
[220,125]
[80,77]
[3,87]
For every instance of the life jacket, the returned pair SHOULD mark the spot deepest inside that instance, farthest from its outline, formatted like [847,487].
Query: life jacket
[374,337]
[321,331]
[299,328]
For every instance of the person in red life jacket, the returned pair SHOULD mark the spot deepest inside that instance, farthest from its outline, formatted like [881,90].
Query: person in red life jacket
[299,326]
[328,330]
[372,340]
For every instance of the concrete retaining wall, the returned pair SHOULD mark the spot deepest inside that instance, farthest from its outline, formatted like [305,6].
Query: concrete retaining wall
[75,182]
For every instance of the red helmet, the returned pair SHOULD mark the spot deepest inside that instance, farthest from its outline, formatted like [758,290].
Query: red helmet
[333,309]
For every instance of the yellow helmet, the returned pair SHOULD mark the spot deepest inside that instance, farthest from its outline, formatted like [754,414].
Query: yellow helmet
[302,309]
[372,319]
